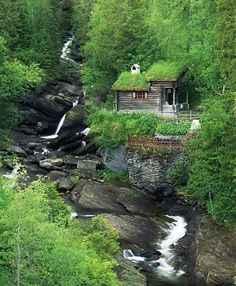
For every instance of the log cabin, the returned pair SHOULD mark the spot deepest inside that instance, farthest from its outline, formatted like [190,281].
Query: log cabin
[154,91]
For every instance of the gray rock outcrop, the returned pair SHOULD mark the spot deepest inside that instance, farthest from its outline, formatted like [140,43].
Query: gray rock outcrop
[115,159]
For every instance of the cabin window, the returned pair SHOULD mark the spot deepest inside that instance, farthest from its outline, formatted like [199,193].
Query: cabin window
[140,95]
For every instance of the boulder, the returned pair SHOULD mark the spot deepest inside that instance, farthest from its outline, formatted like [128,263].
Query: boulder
[87,167]
[16,150]
[95,196]
[66,138]
[131,229]
[65,185]
[49,107]
[57,175]
[115,159]
[72,90]
[51,163]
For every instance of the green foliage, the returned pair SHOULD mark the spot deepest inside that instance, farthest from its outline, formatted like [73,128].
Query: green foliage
[112,128]
[37,250]
[129,81]
[164,71]
[173,127]
[113,41]
[178,173]
[212,153]
[15,79]
[108,175]
[30,38]
[226,42]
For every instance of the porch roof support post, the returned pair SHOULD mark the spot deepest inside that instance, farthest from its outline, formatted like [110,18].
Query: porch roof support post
[174,99]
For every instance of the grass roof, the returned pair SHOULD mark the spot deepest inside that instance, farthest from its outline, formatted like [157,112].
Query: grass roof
[132,82]
[164,71]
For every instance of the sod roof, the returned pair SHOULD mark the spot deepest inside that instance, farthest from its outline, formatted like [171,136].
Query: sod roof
[164,71]
[131,82]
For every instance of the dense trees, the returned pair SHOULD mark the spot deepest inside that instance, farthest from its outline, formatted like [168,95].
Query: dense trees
[15,79]
[41,245]
[32,30]
[201,35]
[115,35]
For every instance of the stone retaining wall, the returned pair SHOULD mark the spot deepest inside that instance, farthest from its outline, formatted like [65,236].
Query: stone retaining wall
[149,172]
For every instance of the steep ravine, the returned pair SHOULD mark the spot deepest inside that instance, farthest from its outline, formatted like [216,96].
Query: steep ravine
[165,239]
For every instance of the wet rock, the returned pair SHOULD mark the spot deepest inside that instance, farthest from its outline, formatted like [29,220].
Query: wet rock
[94,195]
[51,163]
[72,90]
[68,137]
[70,160]
[115,159]
[90,147]
[87,167]
[12,149]
[152,254]
[49,107]
[42,127]
[131,228]
[34,145]
[137,202]
[57,175]
[65,185]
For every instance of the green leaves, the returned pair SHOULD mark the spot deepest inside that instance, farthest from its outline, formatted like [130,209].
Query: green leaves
[37,248]
[15,79]
[113,128]
[213,156]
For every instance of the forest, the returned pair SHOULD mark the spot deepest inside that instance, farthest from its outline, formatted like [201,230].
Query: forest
[110,36]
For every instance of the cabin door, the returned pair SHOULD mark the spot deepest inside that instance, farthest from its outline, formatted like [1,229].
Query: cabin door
[169,94]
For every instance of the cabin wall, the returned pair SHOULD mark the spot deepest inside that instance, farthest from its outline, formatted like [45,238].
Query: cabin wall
[125,99]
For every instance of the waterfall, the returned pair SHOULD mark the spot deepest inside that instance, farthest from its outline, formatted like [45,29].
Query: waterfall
[66,50]
[55,135]
[176,230]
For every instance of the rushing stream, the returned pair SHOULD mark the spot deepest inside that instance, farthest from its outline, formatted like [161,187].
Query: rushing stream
[164,266]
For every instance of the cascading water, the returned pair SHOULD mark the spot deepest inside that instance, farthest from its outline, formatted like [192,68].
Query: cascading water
[66,50]
[176,231]
[55,135]
[165,269]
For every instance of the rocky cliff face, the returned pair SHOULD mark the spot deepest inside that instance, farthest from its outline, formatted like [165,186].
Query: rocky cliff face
[215,250]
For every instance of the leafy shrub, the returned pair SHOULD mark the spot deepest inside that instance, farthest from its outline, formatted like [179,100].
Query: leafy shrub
[213,156]
[112,128]
[52,253]
[178,173]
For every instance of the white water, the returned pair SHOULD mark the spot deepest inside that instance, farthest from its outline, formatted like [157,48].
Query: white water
[55,135]
[83,143]
[66,50]
[86,131]
[176,231]
[128,254]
